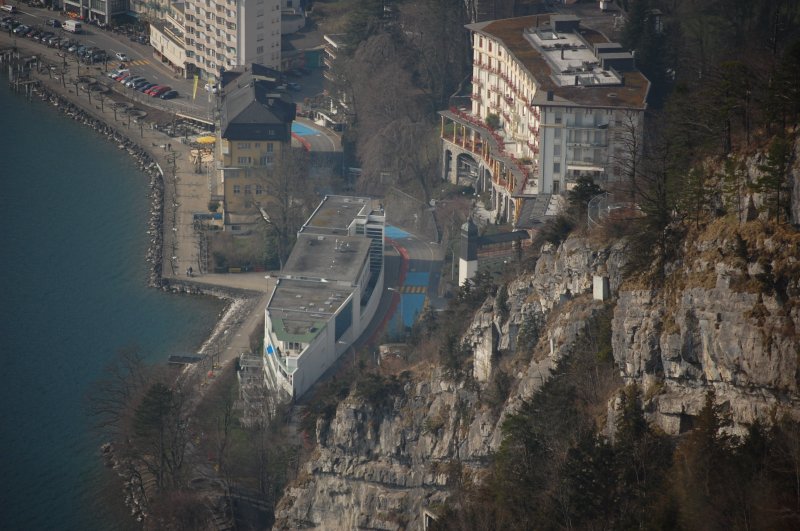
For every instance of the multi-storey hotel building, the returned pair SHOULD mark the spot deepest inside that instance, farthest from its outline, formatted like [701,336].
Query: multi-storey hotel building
[222,34]
[551,101]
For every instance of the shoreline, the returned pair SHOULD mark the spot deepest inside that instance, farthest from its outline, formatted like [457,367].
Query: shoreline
[158,223]
[240,305]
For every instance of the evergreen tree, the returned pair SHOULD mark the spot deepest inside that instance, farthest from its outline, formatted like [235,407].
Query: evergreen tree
[773,180]
[699,461]
[580,195]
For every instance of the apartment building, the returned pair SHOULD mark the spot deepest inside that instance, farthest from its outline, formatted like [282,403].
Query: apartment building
[326,294]
[551,100]
[255,130]
[223,34]
[167,39]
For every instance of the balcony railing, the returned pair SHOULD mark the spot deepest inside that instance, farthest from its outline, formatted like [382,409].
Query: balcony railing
[499,148]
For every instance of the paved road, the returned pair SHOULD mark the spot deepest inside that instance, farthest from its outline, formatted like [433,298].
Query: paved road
[143,63]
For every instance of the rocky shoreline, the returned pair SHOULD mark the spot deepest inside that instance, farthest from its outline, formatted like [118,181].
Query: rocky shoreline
[148,166]
[239,303]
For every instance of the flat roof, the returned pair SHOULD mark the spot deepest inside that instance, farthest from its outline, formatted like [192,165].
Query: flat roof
[332,257]
[336,213]
[516,34]
[300,309]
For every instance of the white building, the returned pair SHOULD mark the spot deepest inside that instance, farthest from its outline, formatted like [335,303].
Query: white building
[551,101]
[223,34]
[326,294]
[167,39]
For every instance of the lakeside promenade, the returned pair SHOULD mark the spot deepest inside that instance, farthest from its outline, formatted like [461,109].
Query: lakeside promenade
[185,192]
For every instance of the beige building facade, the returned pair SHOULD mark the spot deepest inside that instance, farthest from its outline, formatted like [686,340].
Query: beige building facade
[551,101]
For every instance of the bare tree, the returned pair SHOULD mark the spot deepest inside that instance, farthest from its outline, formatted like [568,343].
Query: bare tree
[112,399]
[287,198]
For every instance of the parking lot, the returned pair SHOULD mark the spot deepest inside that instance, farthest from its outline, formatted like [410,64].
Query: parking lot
[102,51]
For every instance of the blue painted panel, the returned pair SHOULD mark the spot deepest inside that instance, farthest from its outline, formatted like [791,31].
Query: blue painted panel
[395,233]
[417,278]
[302,130]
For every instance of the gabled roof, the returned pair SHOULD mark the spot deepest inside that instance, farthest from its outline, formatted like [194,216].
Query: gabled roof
[251,111]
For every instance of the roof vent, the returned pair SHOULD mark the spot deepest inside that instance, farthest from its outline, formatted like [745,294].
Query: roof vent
[612,95]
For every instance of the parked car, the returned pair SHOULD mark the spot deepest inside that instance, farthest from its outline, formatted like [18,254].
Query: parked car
[53,22]
[123,76]
[139,84]
[152,89]
[158,92]
[133,80]
[20,30]
[122,57]
[146,86]
[294,86]
[168,95]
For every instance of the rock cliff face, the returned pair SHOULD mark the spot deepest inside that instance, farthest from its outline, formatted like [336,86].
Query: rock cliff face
[727,317]
[379,467]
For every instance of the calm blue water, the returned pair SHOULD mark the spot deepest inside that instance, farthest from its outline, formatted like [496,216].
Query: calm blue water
[73,239]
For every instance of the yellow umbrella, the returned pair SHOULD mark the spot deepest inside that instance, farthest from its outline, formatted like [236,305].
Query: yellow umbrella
[206,140]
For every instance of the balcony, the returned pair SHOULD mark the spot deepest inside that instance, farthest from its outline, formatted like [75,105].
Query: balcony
[490,146]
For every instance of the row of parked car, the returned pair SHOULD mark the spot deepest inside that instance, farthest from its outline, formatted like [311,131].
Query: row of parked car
[86,54]
[140,83]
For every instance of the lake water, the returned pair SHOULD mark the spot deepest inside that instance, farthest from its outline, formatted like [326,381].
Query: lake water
[74,212]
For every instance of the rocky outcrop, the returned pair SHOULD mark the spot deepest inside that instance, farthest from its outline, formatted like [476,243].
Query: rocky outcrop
[727,317]
[379,466]
[794,184]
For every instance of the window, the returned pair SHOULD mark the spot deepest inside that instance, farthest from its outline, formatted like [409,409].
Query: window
[556,187]
[244,160]
[243,145]
[557,150]
[259,189]
[260,25]
[248,189]
[557,133]
[270,147]
[556,167]
[271,132]
[259,49]
[558,117]
[237,189]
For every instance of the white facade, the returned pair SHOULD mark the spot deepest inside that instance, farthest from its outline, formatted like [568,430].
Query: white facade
[167,41]
[223,34]
[563,99]
[326,295]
